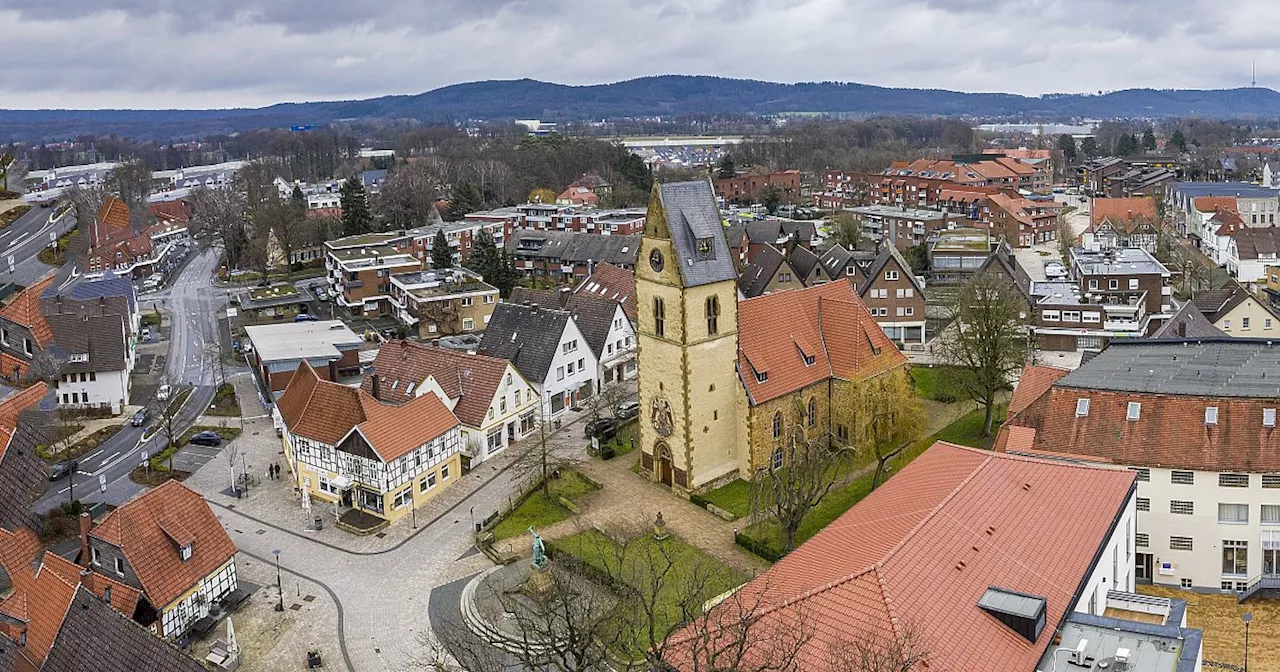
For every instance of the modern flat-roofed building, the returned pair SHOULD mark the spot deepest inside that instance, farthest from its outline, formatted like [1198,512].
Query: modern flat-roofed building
[329,346]
[443,302]
[360,269]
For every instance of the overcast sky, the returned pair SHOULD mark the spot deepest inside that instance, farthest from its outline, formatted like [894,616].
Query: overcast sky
[232,53]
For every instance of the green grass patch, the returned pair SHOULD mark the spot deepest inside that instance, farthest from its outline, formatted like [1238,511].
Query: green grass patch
[935,383]
[274,292]
[53,451]
[623,442]
[151,319]
[734,497]
[11,215]
[225,404]
[965,431]
[642,558]
[540,510]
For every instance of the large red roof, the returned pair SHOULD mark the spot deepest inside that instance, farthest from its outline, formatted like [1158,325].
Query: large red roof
[792,339]
[24,309]
[921,550]
[1033,383]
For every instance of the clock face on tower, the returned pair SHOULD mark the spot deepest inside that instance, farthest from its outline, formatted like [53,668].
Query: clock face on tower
[656,261]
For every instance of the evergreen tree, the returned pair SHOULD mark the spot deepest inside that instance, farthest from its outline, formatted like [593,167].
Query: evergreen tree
[1148,139]
[633,169]
[1177,139]
[1126,145]
[356,217]
[770,198]
[466,198]
[497,268]
[1067,144]
[441,255]
[1089,147]
[726,168]
[506,277]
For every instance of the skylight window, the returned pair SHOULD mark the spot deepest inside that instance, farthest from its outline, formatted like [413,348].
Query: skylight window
[1268,417]
[1211,415]
[1082,408]
[1134,412]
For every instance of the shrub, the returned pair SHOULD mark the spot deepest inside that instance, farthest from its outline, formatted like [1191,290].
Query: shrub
[944,397]
[756,546]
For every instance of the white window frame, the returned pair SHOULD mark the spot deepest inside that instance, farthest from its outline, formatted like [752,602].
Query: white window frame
[1082,407]
[1133,412]
[1210,415]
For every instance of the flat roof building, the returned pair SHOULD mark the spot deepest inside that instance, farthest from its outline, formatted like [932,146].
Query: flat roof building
[328,345]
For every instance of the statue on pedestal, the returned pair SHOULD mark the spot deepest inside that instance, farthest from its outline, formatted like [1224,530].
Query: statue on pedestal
[539,559]
[540,578]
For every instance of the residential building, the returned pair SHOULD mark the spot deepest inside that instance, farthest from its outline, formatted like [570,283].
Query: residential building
[443,302]
[750,188]
[23,426]
[1040,160]
[24,331]
[564,217]
[494,404]
[1256,205]
[1123,275]
[557,256]
[329,347]
[461,236]
[1254,251]
[746,239]
[614,283]
[1235,312]
[956,547]
[55,617]
[956,254]
[905,227]
[1188,322]
[363,457]
[51,183]
[1271,285]
[981,170]
[586,190]
[603,323]
[173,184]
[769,271]
[839,262]
[1068,320]
[113,244]
[746,364]
[1195,420]
[1219,241]
[548,349]
[895,296]
[1117,177]
[1004,263]
[97,354]
[360,269]
[1024,222]
[1124,222]
[168,547]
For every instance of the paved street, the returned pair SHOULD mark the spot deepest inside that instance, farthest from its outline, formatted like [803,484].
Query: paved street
[193,303]
[23,240]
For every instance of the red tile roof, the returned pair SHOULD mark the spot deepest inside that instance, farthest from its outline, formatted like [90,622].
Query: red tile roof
[828,324]
[1033,383]
[112,224]
[327,412]
[143,529]
[921,550]
[40,596]
[1215,203]
[24,309]
[171,211]
[1122,211]
[471,380]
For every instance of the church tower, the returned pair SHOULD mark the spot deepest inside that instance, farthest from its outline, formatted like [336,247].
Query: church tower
[690,397]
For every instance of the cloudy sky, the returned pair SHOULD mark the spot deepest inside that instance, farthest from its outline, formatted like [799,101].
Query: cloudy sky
[231,53]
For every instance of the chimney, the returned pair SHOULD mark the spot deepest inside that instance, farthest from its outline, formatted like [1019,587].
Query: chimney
[373,378]
[86,522]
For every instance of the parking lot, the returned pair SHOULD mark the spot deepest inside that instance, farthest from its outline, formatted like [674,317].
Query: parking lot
[191,457]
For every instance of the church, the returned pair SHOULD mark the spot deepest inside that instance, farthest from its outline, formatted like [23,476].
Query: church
[723,381]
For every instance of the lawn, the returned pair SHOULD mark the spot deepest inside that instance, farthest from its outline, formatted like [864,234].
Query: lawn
[54,450]
[1219,616]
[734,497]
[932,383]
[225,404]
[965,431]
[644,557]
[540,511]
[623,442]
[11,215]
[274,292]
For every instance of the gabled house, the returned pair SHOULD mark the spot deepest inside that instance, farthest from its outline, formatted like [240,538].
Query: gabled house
[1188,322]
[168,551]
[364,457]
[1124,222]
[113,244]
[1255,249]
[1219,242]
[495,405]
[22,470]
[767,272]
[747,239]
[609,332]
[838,262]
[24,332]
[614,283]
[56,617]
[1236,312]
[95,334]
[548,348]
[895,296]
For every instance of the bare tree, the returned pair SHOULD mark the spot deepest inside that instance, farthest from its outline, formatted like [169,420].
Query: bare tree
[742,634]
[408,195]
[802,473]
[540,461]
[894,419]
[902,650]
[167,426]
[131,181]
[990,339]
[220,216]
[86,201]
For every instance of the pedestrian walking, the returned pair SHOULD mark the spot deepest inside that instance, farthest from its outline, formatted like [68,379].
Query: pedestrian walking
[270,471]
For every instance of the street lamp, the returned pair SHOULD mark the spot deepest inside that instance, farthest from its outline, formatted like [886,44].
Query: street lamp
[279,587]
[1247,618]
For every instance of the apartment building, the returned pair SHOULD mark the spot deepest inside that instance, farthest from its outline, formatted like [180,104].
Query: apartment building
[1122,275]
[1257,205]
[895,296]
[461,237]
[903,226]
[956,254]
[443,302]
[359,270]
[748,189]
[565,256]
[565,217]
[1196,420]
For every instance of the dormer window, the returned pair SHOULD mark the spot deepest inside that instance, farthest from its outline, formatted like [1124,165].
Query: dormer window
[94,557]
[120,566]
[185,552]
[762,376]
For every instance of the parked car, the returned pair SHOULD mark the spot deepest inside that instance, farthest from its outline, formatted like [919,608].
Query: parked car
[304,317]
[61,469]
[322,294]
[602,428]
[163,393]
[140,418]
[628,409]
[206,438]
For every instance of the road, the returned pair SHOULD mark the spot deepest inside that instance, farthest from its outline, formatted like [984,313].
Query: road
[193,302]
[22,241]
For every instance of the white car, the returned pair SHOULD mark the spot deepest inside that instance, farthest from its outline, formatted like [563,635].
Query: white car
[322,294]
[162,394]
